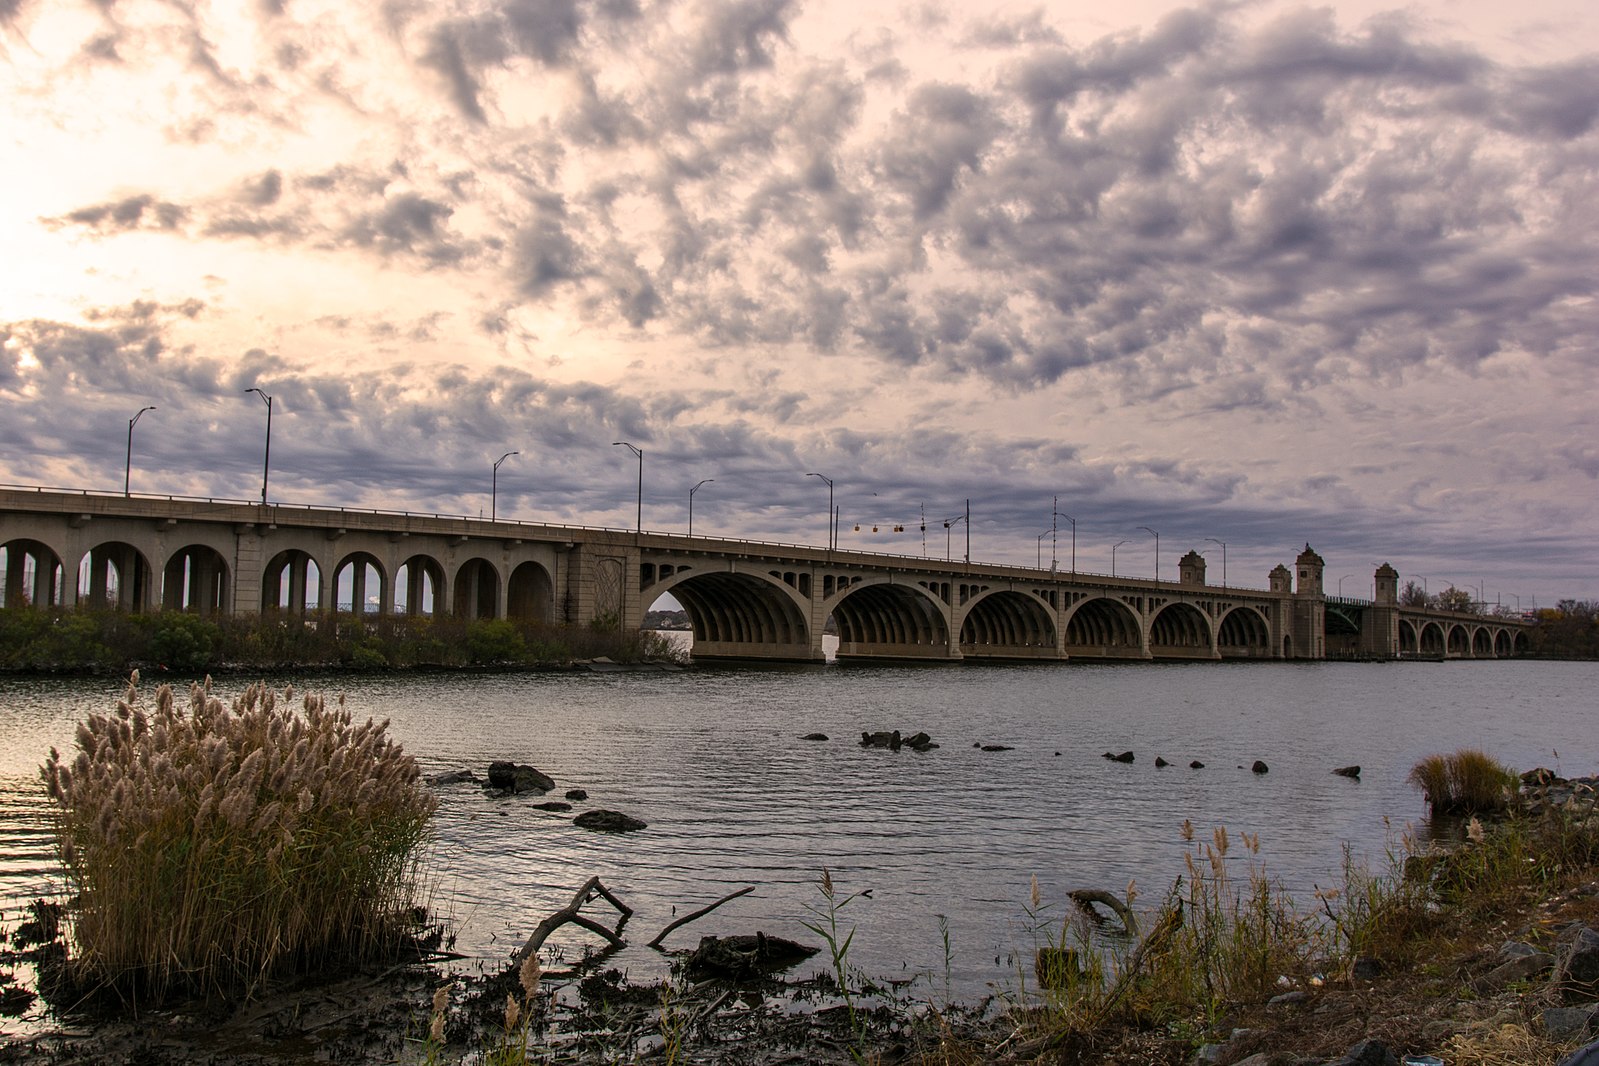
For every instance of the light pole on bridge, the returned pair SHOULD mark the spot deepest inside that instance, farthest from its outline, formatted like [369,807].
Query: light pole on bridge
[636,450]
[1223,544]
[1073,521]
[691,493]
[494,484]
[1152,533]
[1113,548]
[832,516]
[950,522]
[1039,544]
[127,469]
[266,460]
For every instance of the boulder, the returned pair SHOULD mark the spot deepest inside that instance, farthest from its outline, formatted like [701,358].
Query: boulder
[814,736]
[880,739]
[1348,771]
[1196,765]
[1125,756]
[996,747]
[1520,968]
[1366,968]
[1161,763]
[608,822]
[552,805]
[1578,975]
[919,742]
[516,777]
[1260,767]
[576,794]
[1571,1023]
[452,777]
[1367,1053]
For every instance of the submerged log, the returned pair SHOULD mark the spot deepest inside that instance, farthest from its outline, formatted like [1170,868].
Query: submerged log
[1085,898]
[571,913]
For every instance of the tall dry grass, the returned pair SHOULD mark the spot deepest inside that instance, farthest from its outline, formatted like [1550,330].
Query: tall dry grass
[211,847]
[1464,782]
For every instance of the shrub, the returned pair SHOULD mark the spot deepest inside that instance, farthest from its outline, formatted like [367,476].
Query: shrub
[1464,782]
[180,641]
[211,849]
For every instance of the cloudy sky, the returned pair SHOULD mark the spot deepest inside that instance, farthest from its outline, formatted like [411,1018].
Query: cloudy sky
[1258,272]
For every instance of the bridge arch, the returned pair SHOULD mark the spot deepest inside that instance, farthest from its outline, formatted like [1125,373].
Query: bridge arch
[32,574]
[195,579]
[1504,648]
[734,613]
[1431,640]
[1103,627]
[530,594]
[419,586]
[1459,641]
[291,582]
[1244,633]
[1179,630]
[1007,624]
[477,589]
[879,618]
[354,579]
[1482,643]
[116,575]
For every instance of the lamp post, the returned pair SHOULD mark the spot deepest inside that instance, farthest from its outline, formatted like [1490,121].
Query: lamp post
[949,522]
[266,460]
[127,469]
[494,484]
[1341,584]
[1040,546]
[1223,544]
[832,518]
[1152,533]
[1113,548]
[636,450]
[1073,521]
[691,493]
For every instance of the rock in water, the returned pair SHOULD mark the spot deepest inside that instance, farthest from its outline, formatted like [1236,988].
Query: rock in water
[608,822]
[518,778]
[814,736]
[1125,756]
[576,794]
[736,957]
[1260,767]
[1348,771]
[1196,765]
[1160,762]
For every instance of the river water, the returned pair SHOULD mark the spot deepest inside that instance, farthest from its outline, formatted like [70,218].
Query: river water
[712,760]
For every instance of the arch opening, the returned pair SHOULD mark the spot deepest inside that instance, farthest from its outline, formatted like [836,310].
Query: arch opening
[32,574]
[418,583]
[358,584]
[740,616]
[530,594]
[195,579]
[115,576]
[1180,631]
[883,621]
[1007,624]
[477,590]
[1244,634]
[292,583]
[1104,628]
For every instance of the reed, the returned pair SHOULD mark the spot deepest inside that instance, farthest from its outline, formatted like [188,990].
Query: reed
[1464,782]
[213,847]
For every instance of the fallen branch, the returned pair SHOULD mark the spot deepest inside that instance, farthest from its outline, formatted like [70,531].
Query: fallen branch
[1085,897]
[571,914]
[702,912]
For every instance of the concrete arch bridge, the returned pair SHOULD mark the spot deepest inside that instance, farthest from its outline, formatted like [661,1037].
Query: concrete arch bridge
[746,600]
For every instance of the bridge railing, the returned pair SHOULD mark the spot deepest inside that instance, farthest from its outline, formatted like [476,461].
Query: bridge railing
[862,553]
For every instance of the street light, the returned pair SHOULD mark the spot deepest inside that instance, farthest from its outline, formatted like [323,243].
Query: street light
[949,522]
[266,460]
[1113,548]
[1152,533]
[1341,583]
[1223,544]
[494,483]
[1073,521]
[691,493]
[832,519]
[127,469]
[1040,546]
[636,450]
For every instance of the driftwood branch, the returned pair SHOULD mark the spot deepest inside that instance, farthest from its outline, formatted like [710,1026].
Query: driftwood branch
[1086,897]
[570,914]
[702,912]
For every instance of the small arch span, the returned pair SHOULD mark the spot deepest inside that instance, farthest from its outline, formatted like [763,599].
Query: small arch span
[115,576]
[32,574]
[1243,634]
[359,584]
[195,579]
[291,582]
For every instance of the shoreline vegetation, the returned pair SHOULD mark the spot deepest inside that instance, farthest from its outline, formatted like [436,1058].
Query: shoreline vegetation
[85,641]
[273,917]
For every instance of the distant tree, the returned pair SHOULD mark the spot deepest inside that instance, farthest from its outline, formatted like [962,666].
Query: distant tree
[1413,595]
[1453,599]
[1569,631]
